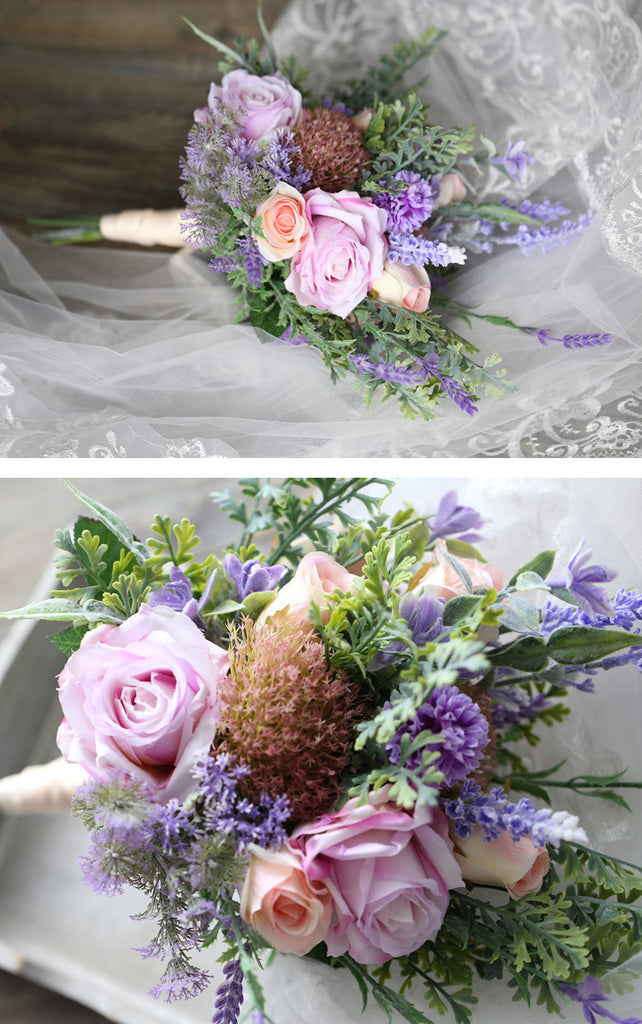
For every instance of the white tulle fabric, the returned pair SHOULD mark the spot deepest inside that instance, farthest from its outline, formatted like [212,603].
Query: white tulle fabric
[108,354]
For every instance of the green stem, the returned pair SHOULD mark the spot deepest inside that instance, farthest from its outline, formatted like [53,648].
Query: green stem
[344,492]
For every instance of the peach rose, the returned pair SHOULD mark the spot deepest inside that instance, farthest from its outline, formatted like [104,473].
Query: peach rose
[448,583]
[281,903]
[520,866]
[403,286]
[317,576]
[451,189]
[283,223]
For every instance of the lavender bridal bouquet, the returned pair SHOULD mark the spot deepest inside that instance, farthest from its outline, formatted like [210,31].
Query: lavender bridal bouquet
[341,221]
[313,742]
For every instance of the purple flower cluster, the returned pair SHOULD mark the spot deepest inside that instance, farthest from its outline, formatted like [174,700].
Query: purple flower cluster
[415,251]
[494,813]
[461,726]
[544,335]
[278,158]
[407,207]
[252,260]
[546,237]
[229,994]
[252,576]
[453,519]
[513,706]
[589,993]
[414,375]
[543,210]
[225,813]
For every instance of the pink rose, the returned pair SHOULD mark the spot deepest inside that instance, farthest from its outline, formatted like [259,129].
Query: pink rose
[268,102]
[283,222]
[317,575]
[451,189]
[343,253]
[448,583]
[140,698]
[519,866]
[388,873]
[406,287]
[281,903]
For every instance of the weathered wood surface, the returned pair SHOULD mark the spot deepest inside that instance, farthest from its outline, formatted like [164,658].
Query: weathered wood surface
[96,99]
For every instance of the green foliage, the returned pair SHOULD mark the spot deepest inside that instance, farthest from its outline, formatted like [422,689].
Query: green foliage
[300,509]
[400,137]
[174,542]
[568,645]
[601,787]
[387,80]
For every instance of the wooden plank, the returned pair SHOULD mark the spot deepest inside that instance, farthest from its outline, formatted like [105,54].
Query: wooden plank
[97,99]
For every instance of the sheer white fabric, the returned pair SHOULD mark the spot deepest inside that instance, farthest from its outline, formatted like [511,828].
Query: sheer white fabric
[108,354]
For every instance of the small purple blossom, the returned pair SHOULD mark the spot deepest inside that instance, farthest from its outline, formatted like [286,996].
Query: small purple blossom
[583,581]
[455,717]
[415,251]
[407,207]
[177,594]
[328,104]
[589,993]
[495,813]
[515,161]
[453,519]
[293,339]
[423,613]
[252,576]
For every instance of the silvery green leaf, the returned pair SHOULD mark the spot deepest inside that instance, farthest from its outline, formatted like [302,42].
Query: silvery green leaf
[58,609]
[114,523]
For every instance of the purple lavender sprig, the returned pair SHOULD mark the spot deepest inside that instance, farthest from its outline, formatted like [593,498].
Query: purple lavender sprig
[418,372]
[229,994]
[495,813]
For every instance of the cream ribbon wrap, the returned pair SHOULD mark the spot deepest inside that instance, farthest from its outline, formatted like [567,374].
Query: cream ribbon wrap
[144,227]
[42,788]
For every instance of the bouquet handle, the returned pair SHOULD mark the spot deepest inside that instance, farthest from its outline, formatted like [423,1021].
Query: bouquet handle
[41,789]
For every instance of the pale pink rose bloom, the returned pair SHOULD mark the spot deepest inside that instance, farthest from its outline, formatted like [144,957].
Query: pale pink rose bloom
[388,873]
[342,254]
[448,583]
[451,189]
[316,576]
[268,102]
[519,866]
[140,698]
[284,223]
[281,903]
[403,286]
